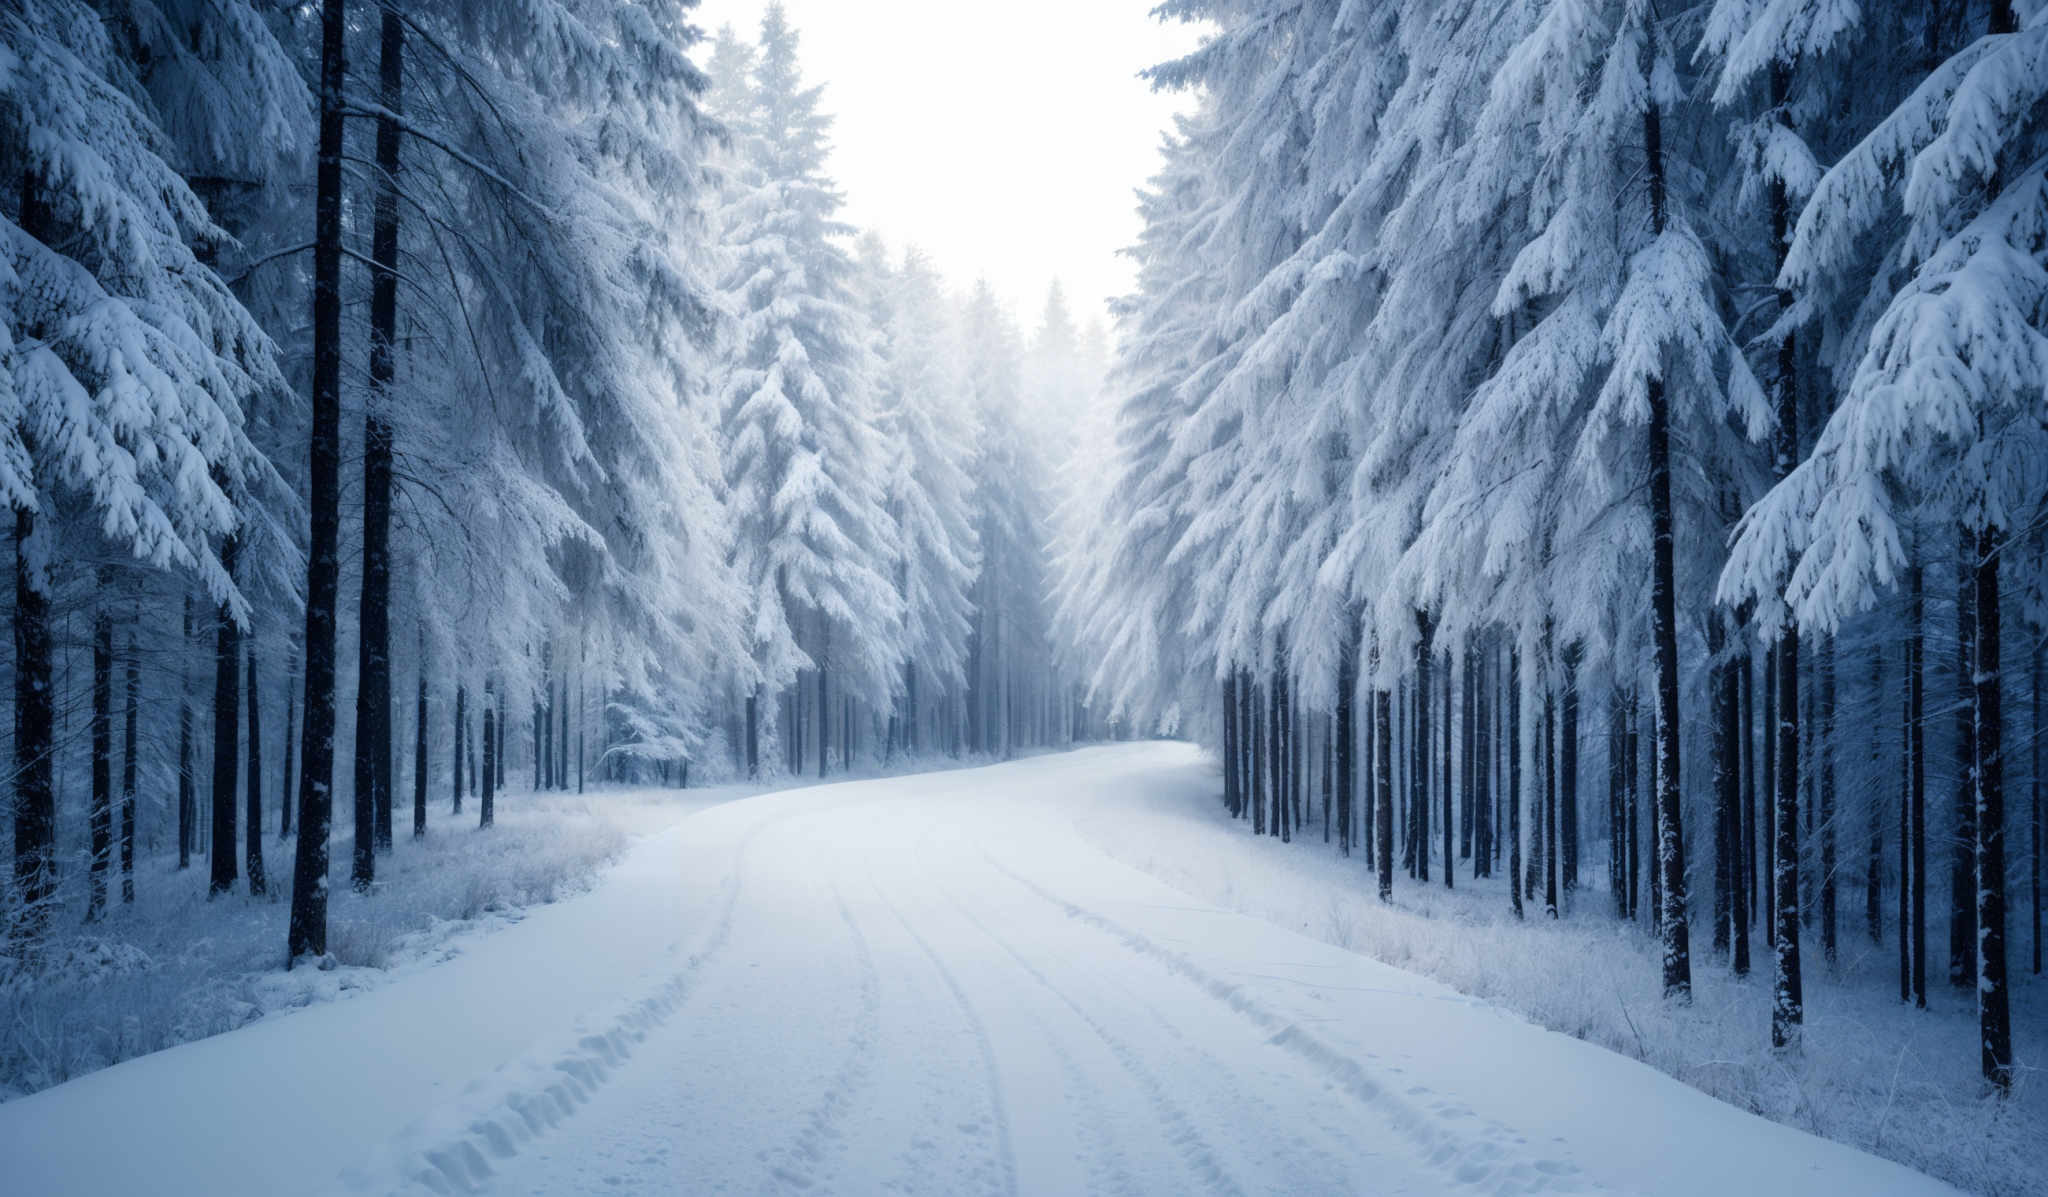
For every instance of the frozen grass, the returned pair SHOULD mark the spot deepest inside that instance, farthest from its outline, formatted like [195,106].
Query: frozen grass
[1874,1074]
[175,966]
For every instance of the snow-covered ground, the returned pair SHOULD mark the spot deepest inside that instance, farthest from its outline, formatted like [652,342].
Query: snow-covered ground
[177,966]
[929,984]
[1873,1073]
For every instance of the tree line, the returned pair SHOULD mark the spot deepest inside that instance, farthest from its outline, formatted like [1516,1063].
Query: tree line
[1516,396]
[495,373]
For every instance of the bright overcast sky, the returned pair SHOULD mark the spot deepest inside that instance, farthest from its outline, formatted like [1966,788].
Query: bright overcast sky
[1004,139]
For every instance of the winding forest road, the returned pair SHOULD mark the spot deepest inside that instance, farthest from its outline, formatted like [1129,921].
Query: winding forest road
[930,984]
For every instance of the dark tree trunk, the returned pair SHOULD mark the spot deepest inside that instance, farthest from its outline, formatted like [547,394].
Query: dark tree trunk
[543,715]
[1444,778]
[103,759]
[1873,863]
[1746,723]
[227,712]
[373,747]
[1346,733]
[1906,877]
[1962,873]
[1825,750]
[1482,761]
[504,733]
[316,783]
[1467,663]
[1547,825]
[754,733]
[1634,749]
[188,797]
[129,767]
[583,721]
[1987,709]
[1769,798]
[252,813]
[1383,789]
[1568,774]
[35,717]
[419,748]
[1617,804]
[1419,772]
[1726,876]
[1916,773]
[285,792]
[461,740]
[1664,634]
[1230,795]
[824,711]
[1514,791]
[1729,787]
[486,812]
[1788,1002]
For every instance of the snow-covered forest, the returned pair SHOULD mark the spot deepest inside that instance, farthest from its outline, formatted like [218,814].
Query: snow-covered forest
[1586,456]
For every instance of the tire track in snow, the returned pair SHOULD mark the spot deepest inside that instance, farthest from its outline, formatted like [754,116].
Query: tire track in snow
[1007,1157]
[463,1162]
[797,1165]
[1486,1162]
[1196,1152]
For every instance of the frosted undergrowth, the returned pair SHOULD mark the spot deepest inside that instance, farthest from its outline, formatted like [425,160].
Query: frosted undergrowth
[1873,1074]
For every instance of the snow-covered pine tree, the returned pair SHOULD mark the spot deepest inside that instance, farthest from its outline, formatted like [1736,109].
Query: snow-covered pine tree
[1940,408]
[928,431]
[127,360]
[813,544]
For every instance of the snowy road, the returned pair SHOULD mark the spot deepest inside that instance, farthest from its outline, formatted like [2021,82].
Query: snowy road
[922,985]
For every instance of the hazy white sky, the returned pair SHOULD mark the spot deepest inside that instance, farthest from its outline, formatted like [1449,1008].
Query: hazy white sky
[1006,139]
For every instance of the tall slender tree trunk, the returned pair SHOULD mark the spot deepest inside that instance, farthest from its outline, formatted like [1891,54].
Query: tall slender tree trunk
[1482,760]
[1419,771]
[1444,778]
[1905,913]
[2040,653]
[1825,750]
[1916,773]
[1664,633]
[1987,709]
[373,740]
[1346,732]
[1230,795]
[754,733]
[129,766]
[1617,807]
[461,738]
[252,814]
[35,716]
[1873,861]
[188,797]
[1568,773]
[1788,1001]
[1514,791]
[1546,831]
[308,933]
[1633,747]
[1725,871]
[419,746]
[102,818]
[824,711]
[486,812]
[286,794]
[1383,786]
[227,696]
[1962,874]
